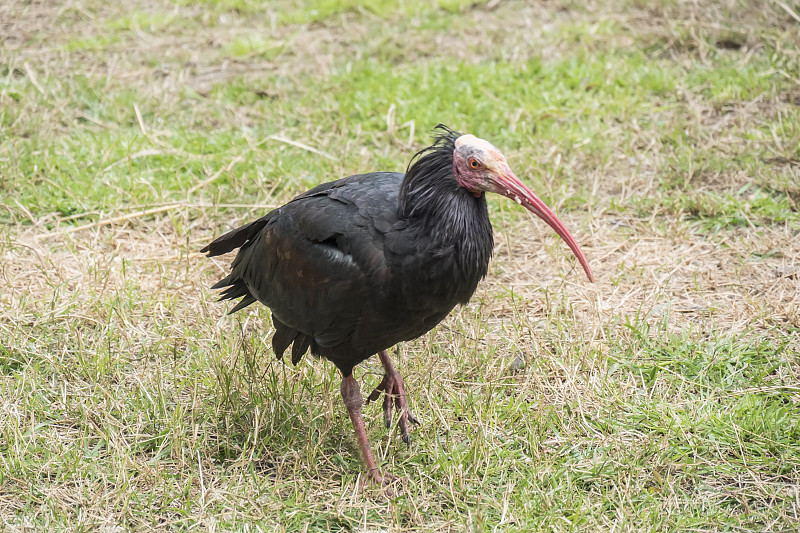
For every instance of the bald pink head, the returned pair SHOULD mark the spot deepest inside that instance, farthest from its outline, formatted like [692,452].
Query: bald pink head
[480,167]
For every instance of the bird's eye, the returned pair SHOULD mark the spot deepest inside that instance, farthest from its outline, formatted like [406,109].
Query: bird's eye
[474,162]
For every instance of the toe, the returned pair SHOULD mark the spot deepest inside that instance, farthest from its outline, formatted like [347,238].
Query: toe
[387,409]
[381,480]
[382,387]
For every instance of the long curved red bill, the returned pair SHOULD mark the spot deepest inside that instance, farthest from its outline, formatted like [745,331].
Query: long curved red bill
[510,186]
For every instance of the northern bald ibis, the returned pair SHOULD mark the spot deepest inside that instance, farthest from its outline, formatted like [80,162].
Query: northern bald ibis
[354,266]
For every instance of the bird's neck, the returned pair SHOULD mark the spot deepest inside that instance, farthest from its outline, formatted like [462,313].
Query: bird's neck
[448,217]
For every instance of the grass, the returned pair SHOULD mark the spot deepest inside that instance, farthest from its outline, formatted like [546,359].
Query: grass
[663,397]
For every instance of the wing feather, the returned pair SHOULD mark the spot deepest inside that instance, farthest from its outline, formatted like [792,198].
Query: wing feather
[316,261]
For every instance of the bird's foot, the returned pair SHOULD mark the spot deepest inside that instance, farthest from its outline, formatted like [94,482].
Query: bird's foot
[381,480]
[394,390]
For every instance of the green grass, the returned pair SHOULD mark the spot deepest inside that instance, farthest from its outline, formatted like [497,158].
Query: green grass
[663,397]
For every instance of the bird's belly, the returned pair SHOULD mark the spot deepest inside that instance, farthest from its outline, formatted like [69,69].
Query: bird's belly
[392,321]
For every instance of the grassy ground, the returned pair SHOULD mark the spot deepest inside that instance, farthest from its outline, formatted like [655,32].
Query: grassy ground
[664,397]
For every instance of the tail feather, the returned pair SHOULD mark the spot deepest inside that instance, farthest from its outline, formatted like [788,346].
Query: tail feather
[247,300]
[235,289]
[284,336]
[234,239]
[224,282]
[300,347]
[237,238]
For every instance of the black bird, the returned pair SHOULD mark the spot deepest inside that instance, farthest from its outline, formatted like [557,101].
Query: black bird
[354,266]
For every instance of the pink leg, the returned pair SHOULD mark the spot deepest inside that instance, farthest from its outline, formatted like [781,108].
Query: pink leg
[394,393]
[351,394]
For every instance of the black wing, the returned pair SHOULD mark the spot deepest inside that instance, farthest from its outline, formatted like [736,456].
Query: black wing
[317,260]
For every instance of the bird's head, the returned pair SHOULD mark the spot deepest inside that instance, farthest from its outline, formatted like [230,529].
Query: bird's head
[480,167]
